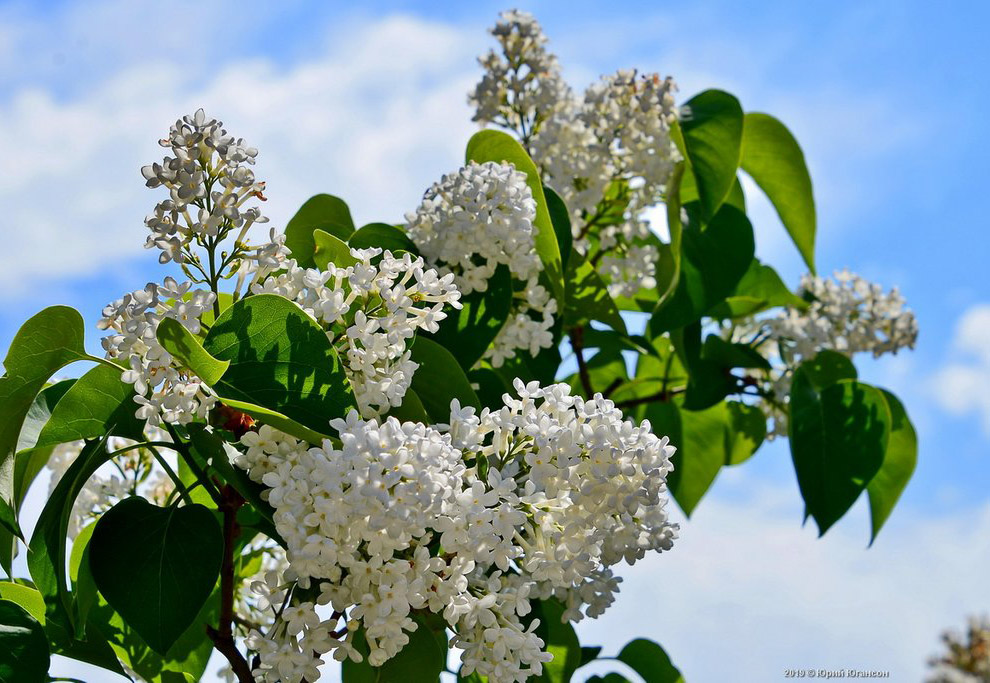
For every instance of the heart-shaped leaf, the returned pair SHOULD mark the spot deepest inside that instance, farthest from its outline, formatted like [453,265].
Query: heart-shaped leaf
[156,566]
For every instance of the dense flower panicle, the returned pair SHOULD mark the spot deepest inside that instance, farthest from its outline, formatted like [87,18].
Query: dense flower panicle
[371,311]
[537,499]
[210,182]
[847,314]
[521,86]
[471,222]
[615,137]
[165,391]
[631,116]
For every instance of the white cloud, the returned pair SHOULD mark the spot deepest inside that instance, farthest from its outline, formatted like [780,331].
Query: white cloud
[375,119]
[746,592]
[962,386]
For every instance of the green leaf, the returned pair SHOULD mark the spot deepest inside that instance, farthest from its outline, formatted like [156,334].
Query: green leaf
[899,462]
[280,360]
[46,556]
[39,413]
[747,431]
[611,677]
[186,348]
[759,289]
[669,277]
[25,596]
[650,661]
[156,566]
[490,386]
[439,379]
[384,236]
[45,343]
[729,355]
[587,297]
[714,261]
[98,403]
[773,158]
[590,653]
[411,409]
[467,333]
[605,369]
[712,130]
[838,438]
[324,212]
[561,641]
[84,592]
[24,656]
[421,660]
[708,382]
[561,220]
[331,249]
[826,368]
[493,145]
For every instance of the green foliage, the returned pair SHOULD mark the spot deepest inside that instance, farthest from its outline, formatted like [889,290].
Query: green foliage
[899,461]
[188,350]
[759,289]
[493,145]
[650,661]
[98,403]
[280,360]
[324,212]
[382,235]
[420,661]
[561,641]
[45,343]
[587,298]
[24,655]
[331,249]
[467,333]
[439,379]
[773,158]
[712,130]
[838,438]
[156,566]
[715,258]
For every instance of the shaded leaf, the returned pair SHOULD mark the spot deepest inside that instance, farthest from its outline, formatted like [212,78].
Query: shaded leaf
[467,333]
[899,462]
[24,656]
[439,379]
[587,297]
[838,437]
[384,236]
[188,351]
[650,661]
[156,566]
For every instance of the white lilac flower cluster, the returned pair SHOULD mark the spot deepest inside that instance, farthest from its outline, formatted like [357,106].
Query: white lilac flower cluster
[470,520]
[606,152]
[521,86]
[371,311]
[847,314]
[471,222]
[165,391]
[209,181]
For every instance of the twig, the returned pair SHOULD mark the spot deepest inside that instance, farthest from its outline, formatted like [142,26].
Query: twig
[616,383]
[576,336]
[223,636]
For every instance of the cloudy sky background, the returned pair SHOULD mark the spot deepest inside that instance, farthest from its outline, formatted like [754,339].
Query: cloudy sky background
[888,100]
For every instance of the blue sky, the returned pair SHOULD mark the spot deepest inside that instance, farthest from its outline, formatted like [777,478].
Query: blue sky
[889,100]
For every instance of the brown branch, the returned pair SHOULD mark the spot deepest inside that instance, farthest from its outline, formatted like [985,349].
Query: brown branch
[576,335]
[223,635]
